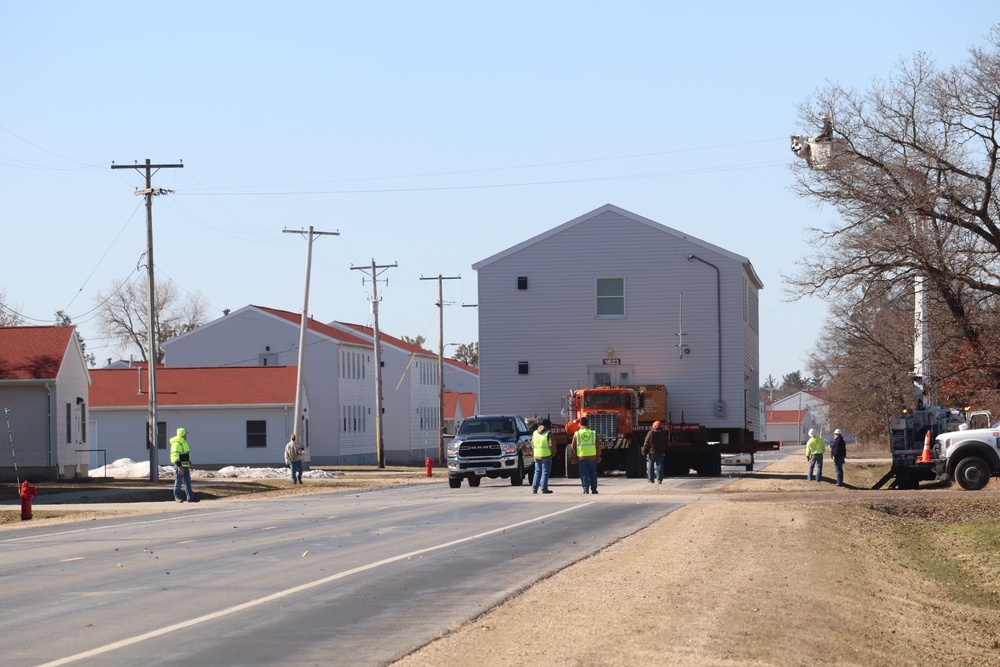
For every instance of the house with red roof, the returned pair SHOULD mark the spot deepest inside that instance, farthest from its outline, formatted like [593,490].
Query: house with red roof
[339,425]
[44,392]
[235,415]
[789,427]
[412,395]
[339,370]
[457,406]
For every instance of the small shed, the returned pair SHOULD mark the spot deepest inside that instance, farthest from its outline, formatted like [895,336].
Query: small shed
[44,394]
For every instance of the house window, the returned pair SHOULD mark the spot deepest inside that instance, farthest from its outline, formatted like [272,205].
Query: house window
[267,359]
[161,435]
[69,423]
[522,282]
[522,368]
[256,433]
[610,297]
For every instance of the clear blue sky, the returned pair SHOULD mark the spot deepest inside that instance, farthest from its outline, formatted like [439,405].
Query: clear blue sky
[430,134]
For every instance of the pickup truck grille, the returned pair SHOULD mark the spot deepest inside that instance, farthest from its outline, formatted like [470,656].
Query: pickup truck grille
[483,448]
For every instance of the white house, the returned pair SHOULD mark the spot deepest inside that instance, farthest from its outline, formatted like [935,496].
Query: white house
[44,390]
[411,394]
[338,372]
[614,298]
[235,415]
[814,401]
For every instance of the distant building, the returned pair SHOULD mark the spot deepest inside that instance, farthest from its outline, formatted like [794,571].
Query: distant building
[234,415]
[458,406]
[45,390]
[789,427]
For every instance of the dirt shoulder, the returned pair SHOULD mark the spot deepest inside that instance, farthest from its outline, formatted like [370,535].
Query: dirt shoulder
[776,571]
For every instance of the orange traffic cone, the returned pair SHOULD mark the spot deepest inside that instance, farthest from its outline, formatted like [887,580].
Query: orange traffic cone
[925,456]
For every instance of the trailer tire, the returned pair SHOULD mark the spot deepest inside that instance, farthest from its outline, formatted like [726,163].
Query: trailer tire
[572,469]
[455,482]
[635,462]
[972,473]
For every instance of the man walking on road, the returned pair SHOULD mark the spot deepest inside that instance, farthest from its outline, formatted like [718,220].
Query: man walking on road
[587,450]
[541,446]
[294,453]
[180,458]
[655,448]
[814,452]
[838,450]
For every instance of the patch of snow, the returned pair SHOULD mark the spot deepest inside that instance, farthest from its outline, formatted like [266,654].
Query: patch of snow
[129,469]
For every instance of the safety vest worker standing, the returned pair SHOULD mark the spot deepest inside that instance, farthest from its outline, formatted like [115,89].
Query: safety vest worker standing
[587,450]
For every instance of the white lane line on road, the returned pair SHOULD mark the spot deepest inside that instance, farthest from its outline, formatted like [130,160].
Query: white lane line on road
[185,517]
[292,591]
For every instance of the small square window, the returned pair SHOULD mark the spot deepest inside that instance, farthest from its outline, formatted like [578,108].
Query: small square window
[522,368]
[610,295]
[256,433]
[522,282]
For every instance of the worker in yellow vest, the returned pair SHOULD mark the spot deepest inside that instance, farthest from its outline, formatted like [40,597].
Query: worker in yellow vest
[541,445]
[180,458]
[587,450]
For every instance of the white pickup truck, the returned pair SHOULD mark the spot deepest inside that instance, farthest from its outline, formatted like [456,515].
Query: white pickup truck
[970,456]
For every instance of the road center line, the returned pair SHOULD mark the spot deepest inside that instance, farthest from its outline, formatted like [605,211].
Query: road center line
[295,589]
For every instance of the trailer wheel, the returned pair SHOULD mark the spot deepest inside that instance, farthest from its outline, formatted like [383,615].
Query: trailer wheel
[972,473]
[474,480]
[517,477]
[454,482]
[572,469]
[635,462]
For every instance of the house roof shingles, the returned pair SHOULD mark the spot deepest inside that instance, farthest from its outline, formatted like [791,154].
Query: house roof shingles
[230,385]
[32,353]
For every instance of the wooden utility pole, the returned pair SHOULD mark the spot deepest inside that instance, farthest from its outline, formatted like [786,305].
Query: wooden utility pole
[148,192]
[440,305]
[376,270]
[303,325]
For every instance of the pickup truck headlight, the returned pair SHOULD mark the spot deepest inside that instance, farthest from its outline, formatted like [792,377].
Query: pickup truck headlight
[453,448]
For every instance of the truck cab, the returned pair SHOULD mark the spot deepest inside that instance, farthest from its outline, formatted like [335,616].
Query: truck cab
[970,455]
[494,446]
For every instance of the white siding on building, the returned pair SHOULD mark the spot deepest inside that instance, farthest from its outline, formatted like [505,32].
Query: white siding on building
[552,325]
[217,434]
[245,337]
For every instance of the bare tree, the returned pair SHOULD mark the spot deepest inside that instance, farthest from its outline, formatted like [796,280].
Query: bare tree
[9,315]
[468,353]
[64,320]
[914,177]
[122,315]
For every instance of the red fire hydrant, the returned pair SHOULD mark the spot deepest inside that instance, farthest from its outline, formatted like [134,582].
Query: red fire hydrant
[430,466]
[27,491]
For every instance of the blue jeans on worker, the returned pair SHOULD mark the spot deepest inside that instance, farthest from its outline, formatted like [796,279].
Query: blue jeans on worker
[588,475]
[541,477]
[816,461]
[654,461]
[296,466]
[838,465]
[182,474]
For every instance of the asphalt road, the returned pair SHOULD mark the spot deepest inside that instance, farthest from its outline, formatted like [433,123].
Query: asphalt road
[346,579]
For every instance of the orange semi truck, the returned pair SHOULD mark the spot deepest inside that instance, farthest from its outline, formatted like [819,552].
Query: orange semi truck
[622,416]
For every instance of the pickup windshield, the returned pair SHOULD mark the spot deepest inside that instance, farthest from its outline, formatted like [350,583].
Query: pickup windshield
[494,425]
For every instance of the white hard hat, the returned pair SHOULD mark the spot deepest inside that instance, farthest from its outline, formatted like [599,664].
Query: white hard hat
[836,431]
[812,433]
